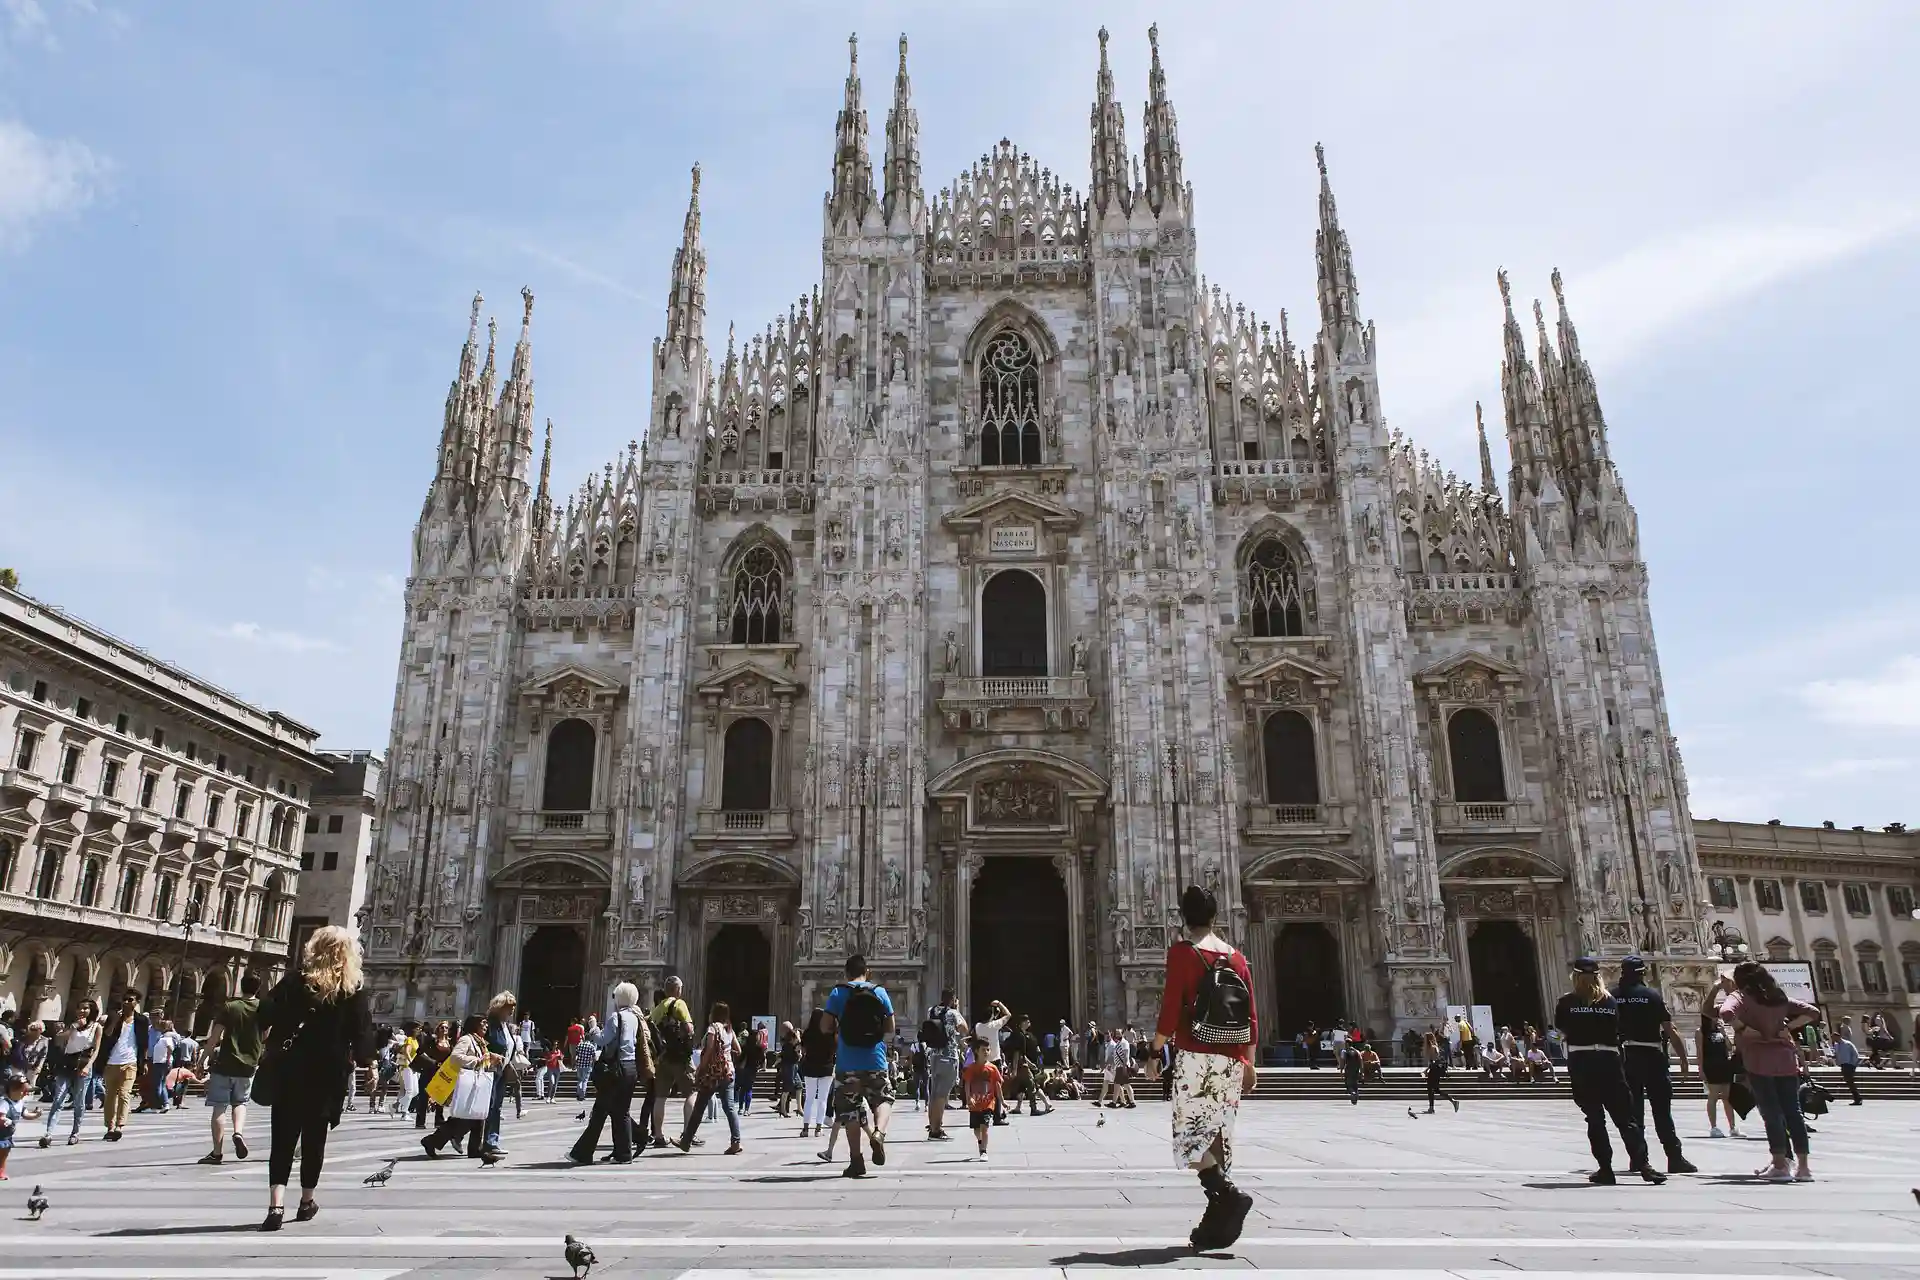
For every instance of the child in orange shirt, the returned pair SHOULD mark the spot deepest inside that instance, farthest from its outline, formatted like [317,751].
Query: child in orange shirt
[980,1084]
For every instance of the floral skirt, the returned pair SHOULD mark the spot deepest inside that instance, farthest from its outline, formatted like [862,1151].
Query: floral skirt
[1206,1099]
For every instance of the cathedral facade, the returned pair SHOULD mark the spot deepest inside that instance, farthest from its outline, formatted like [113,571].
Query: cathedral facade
[1012,580]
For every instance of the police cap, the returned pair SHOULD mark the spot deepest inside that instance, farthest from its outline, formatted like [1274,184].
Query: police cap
[1586,964]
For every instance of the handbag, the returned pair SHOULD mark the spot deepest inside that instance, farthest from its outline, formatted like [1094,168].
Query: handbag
[1813,1099]
[1740,1097]
[608,1061]
[472,1095]
[270,1074]
[440,1088]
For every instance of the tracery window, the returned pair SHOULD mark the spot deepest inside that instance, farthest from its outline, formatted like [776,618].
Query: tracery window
[758,585]
[1009,403]
[1274,601]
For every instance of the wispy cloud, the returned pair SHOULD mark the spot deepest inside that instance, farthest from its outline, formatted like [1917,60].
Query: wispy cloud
[1628,303]
[41,179]
[1889,700]
[27,22]
[267,638]
[1854,768]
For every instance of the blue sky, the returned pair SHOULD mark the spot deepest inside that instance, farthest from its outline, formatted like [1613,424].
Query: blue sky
[237,243]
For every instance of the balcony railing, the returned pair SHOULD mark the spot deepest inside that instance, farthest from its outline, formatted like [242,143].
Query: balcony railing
[1462,581]
[22,781]
[1278,818]
[572,827]
[747,826]
[1484,815]
[1015,703]
[66,793]
[140,818]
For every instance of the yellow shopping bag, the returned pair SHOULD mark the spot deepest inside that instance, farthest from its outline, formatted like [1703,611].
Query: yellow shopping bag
[440,1088]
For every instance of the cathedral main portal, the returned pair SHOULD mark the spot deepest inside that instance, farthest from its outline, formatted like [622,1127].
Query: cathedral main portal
[1018,941]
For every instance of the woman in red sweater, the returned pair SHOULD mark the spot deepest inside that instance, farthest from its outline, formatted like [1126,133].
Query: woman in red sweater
[1206,1009]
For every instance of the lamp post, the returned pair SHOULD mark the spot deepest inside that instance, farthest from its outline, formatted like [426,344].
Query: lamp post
[189,921]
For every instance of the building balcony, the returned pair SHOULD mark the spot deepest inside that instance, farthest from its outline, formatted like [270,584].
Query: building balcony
[1485,817]
[211,838]
[744,827]
[142,819]
[106,807]
[562,828]
[21,782]
[66,795]
[1288,820]
[1015,704]
[181,829]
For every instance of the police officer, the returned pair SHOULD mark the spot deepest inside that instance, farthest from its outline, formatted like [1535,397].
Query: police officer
[1589,1020]
[1646,1029]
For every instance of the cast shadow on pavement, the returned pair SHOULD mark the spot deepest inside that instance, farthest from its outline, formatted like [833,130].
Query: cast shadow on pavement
[181,1231]
[1135,1257]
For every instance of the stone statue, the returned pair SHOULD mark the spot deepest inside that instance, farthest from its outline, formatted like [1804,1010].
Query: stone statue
[643,796]
[1356,403]
[832,878]
[1410,883]
[1150,882]
[923,885]
[450,881]
[952,643]
[1078,652]
[639,880]
[896,880]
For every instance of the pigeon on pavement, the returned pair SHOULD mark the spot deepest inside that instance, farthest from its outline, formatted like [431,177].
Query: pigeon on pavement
[580,1258]
[36,1204]
[378,1178]
[1413,1113]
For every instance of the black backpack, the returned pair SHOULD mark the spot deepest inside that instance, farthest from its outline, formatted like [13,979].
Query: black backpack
[1222,1004]
[862,1018]
[676,1037]
[933,1032]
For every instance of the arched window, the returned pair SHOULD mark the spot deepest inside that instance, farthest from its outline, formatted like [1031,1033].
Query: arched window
[746,779]
[1286,745]
[271,907]
[1473,745]
[758,585]
[569,784]
[90,883]
[1273,591]
[1013,625]
[47,882]
[1009,404]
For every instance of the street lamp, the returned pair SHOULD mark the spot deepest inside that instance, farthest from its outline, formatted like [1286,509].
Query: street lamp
[189,921]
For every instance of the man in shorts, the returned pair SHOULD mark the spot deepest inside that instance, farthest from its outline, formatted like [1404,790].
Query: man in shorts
[943,1060]
[860,1015]
[233,1047]
[673,1065]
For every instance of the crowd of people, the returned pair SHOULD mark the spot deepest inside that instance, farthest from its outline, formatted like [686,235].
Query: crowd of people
[309,1050]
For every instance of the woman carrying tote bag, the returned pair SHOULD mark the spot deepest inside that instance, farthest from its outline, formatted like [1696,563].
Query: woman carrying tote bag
[471,1059]
[317,1028]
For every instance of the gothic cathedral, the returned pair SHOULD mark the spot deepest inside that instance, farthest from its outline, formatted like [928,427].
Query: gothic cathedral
[1011,581]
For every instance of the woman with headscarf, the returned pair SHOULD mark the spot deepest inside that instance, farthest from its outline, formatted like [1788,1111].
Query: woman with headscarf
[627,1060]
[317,1024]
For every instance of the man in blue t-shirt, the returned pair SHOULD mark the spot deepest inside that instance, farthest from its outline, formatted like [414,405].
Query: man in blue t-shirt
[861,1018]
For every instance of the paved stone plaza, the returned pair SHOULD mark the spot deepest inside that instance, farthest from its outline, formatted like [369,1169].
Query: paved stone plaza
[1363,1190]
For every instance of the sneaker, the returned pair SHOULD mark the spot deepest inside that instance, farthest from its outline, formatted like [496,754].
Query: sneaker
[73,1140]
[1602,1178]
[239,1147]
[273,1220]
[427,1145]
[856,1168]
[45,1142]
[1456,1105]
[826,1157]
[1680,1164]
[1716,1132]
[1650,1174]
[879,1148]
[212,1157]
[307,1211]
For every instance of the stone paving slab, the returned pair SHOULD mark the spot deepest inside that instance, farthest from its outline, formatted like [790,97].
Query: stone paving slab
[1497,1188]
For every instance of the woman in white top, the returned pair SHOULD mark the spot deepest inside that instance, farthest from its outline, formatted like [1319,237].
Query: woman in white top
[70,1062]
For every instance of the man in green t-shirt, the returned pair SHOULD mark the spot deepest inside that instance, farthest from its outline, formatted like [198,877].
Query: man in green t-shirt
[233,1052]
[673,1027]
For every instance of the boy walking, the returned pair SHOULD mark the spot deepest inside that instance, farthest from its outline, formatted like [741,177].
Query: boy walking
[982,1084]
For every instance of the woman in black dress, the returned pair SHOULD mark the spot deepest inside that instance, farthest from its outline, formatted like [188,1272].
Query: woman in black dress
[317,1026]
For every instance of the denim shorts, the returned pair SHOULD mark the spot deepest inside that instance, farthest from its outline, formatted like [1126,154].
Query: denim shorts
[228,1091]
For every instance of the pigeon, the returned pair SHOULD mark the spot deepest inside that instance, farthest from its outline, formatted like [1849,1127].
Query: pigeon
[1413,1113]
[1100,1122]
[582,1115]
[36,1204]
[378,1178]
[580,1258]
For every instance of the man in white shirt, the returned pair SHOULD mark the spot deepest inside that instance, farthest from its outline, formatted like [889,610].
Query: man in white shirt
[989,1029]
[160,1057]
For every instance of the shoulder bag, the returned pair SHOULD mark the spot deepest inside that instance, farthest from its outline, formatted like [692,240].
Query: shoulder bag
[271,1074]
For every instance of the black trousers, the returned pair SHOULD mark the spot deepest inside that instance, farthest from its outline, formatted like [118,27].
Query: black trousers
[1436,1072]
[1650,1086]
[1847,1072]
[297,1125]
[612,1102]
[1600,1091]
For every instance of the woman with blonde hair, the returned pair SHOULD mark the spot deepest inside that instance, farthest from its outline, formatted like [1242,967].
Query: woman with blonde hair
[624,1062]
[315,1027]
[1589,1018]
[503,1041]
